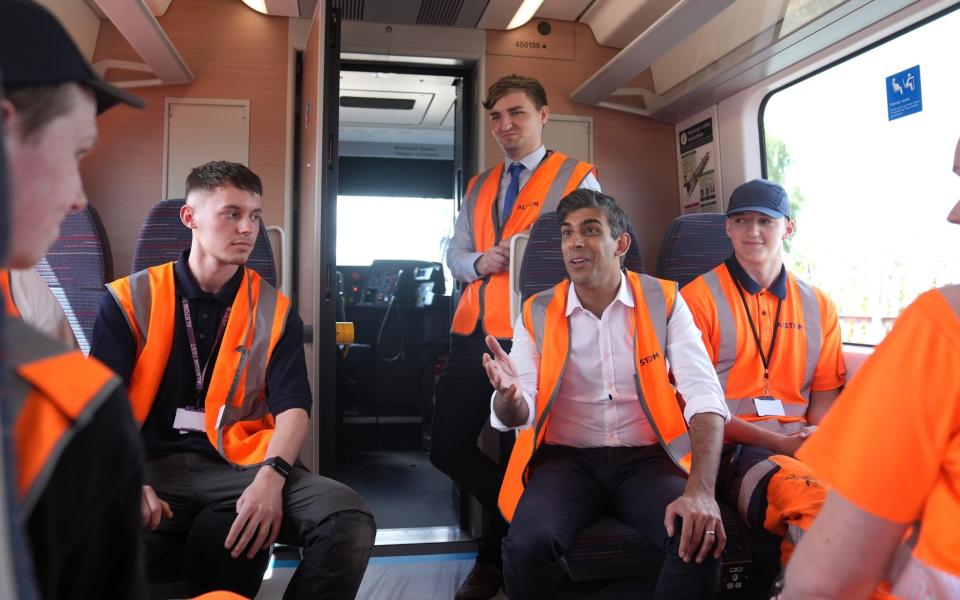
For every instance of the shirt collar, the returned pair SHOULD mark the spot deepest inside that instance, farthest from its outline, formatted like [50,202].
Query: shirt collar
[778,288]
[188,287]
[530,161]
[624,296]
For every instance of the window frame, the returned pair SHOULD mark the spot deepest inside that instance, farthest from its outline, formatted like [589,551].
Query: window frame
[761,111]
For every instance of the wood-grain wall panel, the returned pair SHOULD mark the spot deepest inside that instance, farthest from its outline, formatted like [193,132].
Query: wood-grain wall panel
[635,155]
[233,52]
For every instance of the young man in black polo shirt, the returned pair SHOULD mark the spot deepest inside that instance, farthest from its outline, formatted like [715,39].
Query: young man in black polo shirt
[213,359]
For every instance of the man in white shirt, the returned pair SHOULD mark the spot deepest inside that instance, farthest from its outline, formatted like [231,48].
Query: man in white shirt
[600,426]
[500,203]
[38,306]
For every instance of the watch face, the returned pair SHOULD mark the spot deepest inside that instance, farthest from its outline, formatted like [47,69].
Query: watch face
[279,465]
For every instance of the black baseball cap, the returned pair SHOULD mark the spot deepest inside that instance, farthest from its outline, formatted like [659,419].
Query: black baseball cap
[760,196]
[35,50]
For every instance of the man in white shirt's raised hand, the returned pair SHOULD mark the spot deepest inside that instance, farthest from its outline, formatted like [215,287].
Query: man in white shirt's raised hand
[600,426]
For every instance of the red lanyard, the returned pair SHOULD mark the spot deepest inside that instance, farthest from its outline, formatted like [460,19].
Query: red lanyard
[194,353]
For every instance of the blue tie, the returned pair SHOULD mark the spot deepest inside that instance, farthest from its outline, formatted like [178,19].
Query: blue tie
[513,190]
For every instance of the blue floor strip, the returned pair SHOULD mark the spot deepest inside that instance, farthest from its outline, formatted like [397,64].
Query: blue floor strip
[394,560]
[286,564]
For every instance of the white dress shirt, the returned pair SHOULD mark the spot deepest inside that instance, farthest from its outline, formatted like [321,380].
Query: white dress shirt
[597,404]
[461,254]
[39,307]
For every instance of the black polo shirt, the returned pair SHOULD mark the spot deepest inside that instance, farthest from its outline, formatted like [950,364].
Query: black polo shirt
[778,288]
[112,343]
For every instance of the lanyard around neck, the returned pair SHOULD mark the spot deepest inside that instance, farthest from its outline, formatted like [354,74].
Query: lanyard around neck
[194,353]
[768,357]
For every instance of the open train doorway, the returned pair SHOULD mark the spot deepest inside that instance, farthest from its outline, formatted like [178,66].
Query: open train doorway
[402,149]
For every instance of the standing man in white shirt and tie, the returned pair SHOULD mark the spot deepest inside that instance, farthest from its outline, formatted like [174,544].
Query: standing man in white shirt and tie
[600,427]
[500,203]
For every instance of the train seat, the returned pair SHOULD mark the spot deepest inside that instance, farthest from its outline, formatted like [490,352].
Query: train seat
[692,245]
[76,268]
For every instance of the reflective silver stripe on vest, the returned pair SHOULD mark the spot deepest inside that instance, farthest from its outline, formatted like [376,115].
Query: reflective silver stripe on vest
[538,317]
[255,360]
[952,295]
[555,193]
[659,316]
[141,299]
[727,352]
[794,534]
[749,483]
[680,447]
[657,306]
[25,345]
[470,202]
[812,332]
[773,424]
[920,581]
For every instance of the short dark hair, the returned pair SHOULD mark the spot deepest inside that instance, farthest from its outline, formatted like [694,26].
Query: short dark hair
[218,173]
[516,83]
[38,105]
[585,198]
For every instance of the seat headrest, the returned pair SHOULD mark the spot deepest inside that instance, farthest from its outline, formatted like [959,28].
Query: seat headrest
[76,268]
[693,245]
[163,237]
[543,266]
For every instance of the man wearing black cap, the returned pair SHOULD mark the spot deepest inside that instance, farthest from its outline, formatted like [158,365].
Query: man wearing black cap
[775,342]
[77,451]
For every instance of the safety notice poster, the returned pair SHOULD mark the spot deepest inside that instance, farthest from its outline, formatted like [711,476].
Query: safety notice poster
[698,158]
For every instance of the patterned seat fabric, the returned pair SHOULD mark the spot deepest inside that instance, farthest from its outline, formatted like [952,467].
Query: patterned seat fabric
[543,267]
[163,237]
[693,245]
[76,268]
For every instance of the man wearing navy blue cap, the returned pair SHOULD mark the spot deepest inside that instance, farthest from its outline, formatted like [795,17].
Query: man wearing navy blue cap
[775,342]
[76,450]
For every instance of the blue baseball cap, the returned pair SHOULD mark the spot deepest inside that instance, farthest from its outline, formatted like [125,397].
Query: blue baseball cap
[760,196]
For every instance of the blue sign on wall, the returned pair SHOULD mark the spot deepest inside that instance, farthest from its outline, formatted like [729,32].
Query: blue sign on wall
[903,93]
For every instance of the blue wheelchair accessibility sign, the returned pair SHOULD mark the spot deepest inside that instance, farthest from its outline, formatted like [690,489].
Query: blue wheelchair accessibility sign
[903,93]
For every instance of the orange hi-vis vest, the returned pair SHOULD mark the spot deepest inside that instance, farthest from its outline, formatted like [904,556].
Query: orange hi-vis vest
[238,423]
[912,576]
[9,305]
[742,379]
[544,316]
[53,393]
[487,299]
[890,444]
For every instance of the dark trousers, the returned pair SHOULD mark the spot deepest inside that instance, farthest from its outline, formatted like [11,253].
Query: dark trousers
[85,529]
[570,488]
[328,519]
[462,407]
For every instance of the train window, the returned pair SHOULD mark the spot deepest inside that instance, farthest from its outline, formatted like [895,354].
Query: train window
[871,190]
[375,227]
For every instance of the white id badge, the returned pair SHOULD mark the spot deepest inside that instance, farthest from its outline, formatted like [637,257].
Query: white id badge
[769,407]
[190,419]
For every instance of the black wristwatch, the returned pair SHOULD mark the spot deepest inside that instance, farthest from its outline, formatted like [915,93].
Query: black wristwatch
[279,465]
